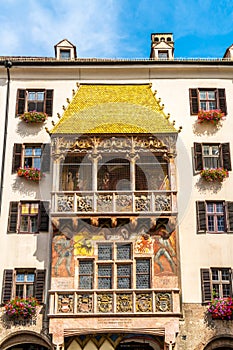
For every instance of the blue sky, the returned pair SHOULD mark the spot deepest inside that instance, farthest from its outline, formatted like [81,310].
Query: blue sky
[115,28]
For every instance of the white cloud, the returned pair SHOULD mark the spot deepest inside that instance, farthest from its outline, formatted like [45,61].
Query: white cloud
[109,28]
[38,25]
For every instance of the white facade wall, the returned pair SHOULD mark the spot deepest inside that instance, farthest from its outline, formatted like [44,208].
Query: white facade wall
[172,83]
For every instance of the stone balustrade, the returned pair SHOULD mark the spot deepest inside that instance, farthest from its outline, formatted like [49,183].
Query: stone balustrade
[114,202]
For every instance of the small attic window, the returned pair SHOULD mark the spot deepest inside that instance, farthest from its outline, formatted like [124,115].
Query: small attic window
[156,38]
[169,39]
[65,54]
[163,54]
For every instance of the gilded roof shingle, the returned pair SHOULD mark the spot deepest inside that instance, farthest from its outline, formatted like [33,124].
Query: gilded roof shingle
[97,108]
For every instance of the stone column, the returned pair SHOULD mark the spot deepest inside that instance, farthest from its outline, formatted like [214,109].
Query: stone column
[94,158]
[173,184]
[132,157]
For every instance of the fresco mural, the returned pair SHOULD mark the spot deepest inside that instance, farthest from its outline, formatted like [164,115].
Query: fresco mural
[159,242]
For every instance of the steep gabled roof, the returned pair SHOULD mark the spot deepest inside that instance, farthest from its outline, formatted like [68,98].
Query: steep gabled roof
[113,109]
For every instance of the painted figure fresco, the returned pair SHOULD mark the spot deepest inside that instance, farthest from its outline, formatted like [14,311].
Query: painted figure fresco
[159,242]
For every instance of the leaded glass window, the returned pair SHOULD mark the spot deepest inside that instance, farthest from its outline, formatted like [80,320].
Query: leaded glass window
[124,252]
[124,276]
[114,267]
[104,252]
[85,274]
[142,273]
[105,276]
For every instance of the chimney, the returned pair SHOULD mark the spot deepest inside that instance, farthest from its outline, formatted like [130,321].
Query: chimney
[162,46]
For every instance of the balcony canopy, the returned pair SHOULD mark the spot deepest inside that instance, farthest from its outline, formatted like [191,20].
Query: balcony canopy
[114,109]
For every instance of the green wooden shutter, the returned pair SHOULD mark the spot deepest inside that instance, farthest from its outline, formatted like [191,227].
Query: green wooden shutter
[226,156]
[222,100]
[229,216]
[20,101]
[44,216]
[201,216]
[198,159]
[13,217]
[45,158]
[206,285]
[16,159]
[193,99]
[7,285]
[49,102]
[39,285]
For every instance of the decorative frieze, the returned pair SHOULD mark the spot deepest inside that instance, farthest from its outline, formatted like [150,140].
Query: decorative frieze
[115,302]
[163,302]
[164,144]
[124,303]
[144,302]
[104,303]
[66,303]
[85,303]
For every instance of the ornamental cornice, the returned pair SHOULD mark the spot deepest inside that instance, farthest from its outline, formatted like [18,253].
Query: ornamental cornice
[163,144]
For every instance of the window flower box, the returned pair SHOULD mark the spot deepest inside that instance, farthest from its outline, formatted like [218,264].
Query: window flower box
[213,116]
[33,174]
[21,308]
[33,117]
[212,175]
[221,308]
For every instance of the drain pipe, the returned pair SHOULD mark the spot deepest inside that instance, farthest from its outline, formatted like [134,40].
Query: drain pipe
[8,65]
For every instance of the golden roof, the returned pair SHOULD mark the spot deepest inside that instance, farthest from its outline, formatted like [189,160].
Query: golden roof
[113,109]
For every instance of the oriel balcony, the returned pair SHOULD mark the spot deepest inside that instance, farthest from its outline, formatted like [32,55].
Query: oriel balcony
[115,186]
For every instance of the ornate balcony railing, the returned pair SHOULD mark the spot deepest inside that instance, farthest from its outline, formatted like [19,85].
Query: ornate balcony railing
[114,302]
[113,202]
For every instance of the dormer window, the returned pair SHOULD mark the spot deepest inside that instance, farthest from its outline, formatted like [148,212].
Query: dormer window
[65,50]
[65,54]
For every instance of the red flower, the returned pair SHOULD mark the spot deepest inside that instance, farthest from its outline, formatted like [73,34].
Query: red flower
[213,116]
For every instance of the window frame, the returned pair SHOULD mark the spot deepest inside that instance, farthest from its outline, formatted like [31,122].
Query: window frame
[30,216]
[113,263]
[19,155]
[215,214]
[207,282]
[201,217]
[224,155]
[207,100]
[162,53]
[80,274]
[62,51]
[22,100]
[194,99]
[24,284]
[14,218]
[9,283]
